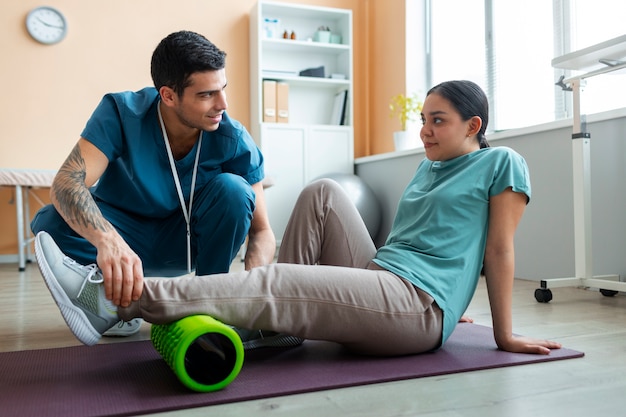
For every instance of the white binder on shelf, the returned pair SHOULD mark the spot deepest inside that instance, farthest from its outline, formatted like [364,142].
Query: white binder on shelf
[338,116]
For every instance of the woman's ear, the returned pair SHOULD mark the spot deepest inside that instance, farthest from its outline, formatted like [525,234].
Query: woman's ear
[475,123]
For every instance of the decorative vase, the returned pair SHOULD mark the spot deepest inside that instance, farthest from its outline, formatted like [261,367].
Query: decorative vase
[322,36]
[404,140]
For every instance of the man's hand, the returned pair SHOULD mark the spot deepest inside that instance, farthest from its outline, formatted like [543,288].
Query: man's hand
[122,272]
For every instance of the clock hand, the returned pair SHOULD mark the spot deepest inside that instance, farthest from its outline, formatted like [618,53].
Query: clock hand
[49,24]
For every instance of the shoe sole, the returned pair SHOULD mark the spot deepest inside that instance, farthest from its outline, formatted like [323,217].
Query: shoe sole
[278,341]
[74,317]
[116,331]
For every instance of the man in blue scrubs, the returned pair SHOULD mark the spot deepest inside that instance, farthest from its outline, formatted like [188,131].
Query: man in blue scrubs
[162,181]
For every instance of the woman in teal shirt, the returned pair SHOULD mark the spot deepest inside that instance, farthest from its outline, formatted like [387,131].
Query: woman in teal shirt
[457,216]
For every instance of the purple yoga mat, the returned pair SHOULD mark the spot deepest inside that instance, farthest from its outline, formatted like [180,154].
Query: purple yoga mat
[131,378]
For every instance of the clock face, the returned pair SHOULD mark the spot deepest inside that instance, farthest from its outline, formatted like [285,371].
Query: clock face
[46,25]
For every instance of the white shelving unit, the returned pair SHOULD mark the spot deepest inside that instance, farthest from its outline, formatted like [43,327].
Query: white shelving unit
[308,145]
[605,57]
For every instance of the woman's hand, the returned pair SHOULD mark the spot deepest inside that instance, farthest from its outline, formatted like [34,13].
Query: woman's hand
[466,319]
[521,344]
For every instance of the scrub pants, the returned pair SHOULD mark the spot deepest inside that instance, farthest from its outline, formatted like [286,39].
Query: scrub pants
[323,287]
[220,219]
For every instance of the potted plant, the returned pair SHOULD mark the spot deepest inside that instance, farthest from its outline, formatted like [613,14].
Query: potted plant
[406,108]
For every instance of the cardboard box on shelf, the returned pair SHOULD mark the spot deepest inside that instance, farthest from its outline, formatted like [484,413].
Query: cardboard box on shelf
[269,101]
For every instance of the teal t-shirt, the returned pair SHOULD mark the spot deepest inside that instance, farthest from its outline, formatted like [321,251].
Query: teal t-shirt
[438,237]
[138,179]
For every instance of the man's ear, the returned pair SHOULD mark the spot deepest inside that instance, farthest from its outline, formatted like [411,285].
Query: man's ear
[168,95]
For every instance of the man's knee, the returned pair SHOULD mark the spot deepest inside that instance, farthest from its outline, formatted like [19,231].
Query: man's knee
[228,194]
[47,219]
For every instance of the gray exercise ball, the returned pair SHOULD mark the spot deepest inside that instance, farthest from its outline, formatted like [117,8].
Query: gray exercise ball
[363,198]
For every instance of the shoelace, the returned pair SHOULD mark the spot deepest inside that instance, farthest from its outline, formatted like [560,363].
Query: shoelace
[91,270]
[92,277]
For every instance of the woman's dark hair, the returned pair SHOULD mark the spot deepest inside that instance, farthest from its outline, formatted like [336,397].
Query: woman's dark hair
[469,100]
[181,54]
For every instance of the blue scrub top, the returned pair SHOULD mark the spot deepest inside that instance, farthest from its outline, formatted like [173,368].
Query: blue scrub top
[439,234]
[125,127]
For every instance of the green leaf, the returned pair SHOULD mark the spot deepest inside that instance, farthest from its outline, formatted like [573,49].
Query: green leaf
[405,108]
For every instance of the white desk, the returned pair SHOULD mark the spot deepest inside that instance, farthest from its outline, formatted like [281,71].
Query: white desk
[605,57]
[23,180]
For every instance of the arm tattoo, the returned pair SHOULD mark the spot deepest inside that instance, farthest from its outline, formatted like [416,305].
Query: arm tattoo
[74,200]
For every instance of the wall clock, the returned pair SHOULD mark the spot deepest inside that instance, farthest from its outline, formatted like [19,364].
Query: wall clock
[46,25]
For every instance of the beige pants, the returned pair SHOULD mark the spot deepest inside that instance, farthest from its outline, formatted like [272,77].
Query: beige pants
[323,287]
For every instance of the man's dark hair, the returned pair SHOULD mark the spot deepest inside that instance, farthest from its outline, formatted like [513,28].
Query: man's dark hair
[182,54]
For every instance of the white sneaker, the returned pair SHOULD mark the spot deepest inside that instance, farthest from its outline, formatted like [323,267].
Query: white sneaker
[124,328]
[78,291]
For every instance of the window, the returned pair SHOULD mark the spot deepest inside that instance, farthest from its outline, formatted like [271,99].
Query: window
[507,48]
[520,75]
[596,21]
[457,41]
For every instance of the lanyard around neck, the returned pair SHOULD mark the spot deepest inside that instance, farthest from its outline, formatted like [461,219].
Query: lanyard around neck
[179,190]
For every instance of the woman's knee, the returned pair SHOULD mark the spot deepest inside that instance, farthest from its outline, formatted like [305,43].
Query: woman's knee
[322,184]
[322,189]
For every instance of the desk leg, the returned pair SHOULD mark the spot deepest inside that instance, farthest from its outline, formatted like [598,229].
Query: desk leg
[19,207]
[609,285]
[26,231]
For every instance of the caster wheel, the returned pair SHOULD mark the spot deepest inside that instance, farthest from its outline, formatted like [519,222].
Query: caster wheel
[543,295]
[608,293]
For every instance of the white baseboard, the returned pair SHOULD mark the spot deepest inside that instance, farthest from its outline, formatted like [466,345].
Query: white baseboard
[8,259]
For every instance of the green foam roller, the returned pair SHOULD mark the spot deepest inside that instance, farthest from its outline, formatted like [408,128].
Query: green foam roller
[204,353]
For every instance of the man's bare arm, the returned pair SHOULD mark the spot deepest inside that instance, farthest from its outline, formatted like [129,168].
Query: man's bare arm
[121,267]
[72,199]
[261,239]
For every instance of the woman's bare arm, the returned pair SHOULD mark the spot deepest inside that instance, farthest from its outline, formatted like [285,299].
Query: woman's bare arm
[505,212]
